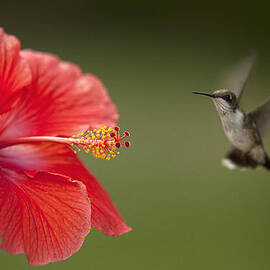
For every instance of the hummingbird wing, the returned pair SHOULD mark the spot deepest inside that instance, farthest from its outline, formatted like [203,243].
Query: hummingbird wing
[236,79]
[261,116]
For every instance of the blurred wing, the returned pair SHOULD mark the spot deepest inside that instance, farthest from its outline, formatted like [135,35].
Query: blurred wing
[236,79]
[261,116]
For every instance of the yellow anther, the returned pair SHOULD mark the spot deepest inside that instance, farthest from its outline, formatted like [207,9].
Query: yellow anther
[102,143]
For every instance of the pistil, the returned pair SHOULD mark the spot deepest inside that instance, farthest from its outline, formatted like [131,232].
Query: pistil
[103,143]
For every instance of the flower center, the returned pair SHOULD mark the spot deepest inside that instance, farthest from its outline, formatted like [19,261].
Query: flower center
[102,143]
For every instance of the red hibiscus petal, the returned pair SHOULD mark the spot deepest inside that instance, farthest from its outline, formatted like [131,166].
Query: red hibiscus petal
[57,158]
[23,157]
[59,101]
[14,71]
[46,217]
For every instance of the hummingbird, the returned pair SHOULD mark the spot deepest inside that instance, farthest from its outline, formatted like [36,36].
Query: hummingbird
[243,130]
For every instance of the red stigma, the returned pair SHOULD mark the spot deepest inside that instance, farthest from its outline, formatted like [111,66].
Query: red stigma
[119,140]
[127,144]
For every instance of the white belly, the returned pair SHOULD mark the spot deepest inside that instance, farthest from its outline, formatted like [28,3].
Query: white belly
[239,137]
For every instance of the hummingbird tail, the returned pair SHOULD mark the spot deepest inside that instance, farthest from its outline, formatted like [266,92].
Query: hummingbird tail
[236,158]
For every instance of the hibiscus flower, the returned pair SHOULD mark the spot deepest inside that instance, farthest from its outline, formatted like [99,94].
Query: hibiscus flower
[48,199]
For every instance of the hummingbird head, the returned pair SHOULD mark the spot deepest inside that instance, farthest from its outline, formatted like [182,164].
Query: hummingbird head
[224,100]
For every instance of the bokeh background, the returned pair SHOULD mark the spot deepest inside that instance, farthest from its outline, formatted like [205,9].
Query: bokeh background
[187,212]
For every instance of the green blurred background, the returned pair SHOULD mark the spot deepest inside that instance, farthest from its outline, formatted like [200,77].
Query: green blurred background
[186,210]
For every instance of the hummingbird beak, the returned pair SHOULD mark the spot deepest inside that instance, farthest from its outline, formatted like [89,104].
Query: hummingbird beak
[204,94]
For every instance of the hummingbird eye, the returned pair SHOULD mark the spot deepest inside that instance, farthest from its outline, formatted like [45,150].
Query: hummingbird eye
[228,98]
